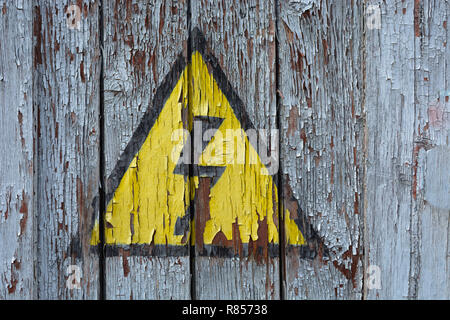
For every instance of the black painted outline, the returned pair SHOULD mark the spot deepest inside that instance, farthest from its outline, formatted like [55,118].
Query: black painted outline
[198,42]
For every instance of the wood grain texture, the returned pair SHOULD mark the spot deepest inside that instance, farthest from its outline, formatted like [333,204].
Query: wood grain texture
[241,35]
[320,72]
[431,155]
[364,118]
[142,42]
[66,97]
[16,146]
[390,108]
[407,209]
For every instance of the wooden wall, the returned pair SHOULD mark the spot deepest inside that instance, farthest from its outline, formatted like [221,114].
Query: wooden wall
[359,91]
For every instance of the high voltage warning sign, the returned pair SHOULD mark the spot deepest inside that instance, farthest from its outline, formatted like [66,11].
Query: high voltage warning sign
[197,172]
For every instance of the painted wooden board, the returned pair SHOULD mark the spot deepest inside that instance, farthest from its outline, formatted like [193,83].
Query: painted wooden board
[145,44]
[16,156]
[66,98]
[431,156]
[320,72]
[407,208]
[359,91]
[240,41]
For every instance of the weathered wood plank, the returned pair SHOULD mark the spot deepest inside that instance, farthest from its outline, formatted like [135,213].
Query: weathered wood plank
[431,155]
[141,45]
[241,37]
[364,115]
[16,146]
[390,93]
[321,132]
[66,97]
[409,230]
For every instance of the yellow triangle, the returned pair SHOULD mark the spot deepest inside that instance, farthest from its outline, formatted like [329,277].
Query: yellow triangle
[151,197]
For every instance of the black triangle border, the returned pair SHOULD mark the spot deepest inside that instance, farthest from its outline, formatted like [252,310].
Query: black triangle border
[198,43]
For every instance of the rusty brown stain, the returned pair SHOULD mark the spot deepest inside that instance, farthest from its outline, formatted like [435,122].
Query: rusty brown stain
[161,18]
[260,247]
[332,170]
[13,282]
[56,129]
[126,267]
[128,10]
[116,18]
[289,33]
[424,144]
[57,45]
[83,76]
[250,48]
[221,240]
[129,40]
[325,51]
[178,262]
[417,14]
[309,102]
[270,287]
[350,274]
[202,213]
[80,196]
[299,62]
[38,37]
[303,136]
[16,264]
[307,14]
[70,55]
[317,159]
[356,203]
[138,61]
[353,104]
[292,122]
[294,263]
[235,243]
[148,23]
[225,42]
[152,64]
[60,227]
[12,286]
[20,119]
[73,117]
[275,206]
[24,211]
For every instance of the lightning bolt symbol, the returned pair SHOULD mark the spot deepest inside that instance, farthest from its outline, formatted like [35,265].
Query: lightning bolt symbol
[202,125]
